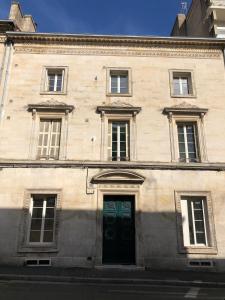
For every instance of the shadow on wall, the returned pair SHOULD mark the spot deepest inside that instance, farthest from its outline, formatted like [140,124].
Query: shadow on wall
[117,235]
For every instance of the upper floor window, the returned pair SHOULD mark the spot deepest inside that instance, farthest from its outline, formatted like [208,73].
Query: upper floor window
[182,83]
[187,134]
[42,219]
[49,139]
[187,141]
[118,139]
[54,80]
[49,130]
[118,82]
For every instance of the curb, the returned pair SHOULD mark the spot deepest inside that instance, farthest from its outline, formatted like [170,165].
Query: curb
[136,281]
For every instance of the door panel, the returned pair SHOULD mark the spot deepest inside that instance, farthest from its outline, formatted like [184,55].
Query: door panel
[118,229]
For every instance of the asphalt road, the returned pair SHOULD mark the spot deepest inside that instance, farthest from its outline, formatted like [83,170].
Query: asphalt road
[13,290]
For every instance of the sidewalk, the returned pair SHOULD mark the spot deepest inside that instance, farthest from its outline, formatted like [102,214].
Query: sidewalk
[113,276]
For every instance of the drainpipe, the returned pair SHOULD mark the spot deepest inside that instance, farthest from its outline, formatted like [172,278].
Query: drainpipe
[5,79]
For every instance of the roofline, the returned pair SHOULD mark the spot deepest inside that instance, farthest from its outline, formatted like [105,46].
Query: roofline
[66,37]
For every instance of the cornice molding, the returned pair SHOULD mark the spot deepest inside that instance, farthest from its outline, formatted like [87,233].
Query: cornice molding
[111,50]
[50,105]
[185,108]
[111,165]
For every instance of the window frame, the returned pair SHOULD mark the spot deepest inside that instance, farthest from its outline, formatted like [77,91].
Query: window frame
[187,116]
[127,122]
[42,221]
[48,157]
[118,71]
[196,140]
[211,246]
[189,74]
[44,80]
[24,246]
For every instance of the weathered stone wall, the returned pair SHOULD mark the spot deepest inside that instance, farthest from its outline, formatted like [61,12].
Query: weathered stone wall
[77,230]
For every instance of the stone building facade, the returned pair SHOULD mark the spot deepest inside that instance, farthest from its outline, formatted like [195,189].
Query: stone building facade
[112,151]
[205,18]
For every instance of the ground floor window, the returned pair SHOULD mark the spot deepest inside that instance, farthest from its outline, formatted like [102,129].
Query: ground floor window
[42,219]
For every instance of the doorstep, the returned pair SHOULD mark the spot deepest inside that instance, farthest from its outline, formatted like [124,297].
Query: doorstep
[120,267]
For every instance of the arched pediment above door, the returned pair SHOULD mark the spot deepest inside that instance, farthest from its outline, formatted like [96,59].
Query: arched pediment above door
[118,176]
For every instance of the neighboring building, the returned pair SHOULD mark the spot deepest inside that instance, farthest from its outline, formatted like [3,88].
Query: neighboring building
[112,151]
[205,18]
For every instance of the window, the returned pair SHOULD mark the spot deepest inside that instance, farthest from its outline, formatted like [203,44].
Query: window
[187,133]
[187,141]
[182,83]
[49,139]
[118,132]
[42,219]
[118,138]
[194,216]
[118,82]
[54,80]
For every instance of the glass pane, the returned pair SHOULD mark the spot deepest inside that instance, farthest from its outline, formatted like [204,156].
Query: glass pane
[176,86]
[50,212]
[38,202]
[37,213]
[51,202]
[184,82]
[35,236]
[200,237]
[48,236]
[36,224]
[49,224]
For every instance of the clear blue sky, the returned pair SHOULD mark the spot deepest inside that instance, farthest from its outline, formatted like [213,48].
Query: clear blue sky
[129,17]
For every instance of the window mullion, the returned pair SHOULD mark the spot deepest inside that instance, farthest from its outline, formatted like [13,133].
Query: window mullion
[49,138]
[43,220]
[55,82]
[193,221]
[181,86]
[118,142]
[118,83]
[185,143]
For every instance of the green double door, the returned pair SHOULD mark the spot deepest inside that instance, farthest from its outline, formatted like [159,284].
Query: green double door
[119,229]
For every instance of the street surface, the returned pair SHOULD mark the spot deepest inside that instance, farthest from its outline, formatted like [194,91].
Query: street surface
[14,290]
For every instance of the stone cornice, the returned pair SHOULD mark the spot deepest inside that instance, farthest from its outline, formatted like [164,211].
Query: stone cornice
[118,40]
[69,164]
[50,106]
[185,108]
[118,109]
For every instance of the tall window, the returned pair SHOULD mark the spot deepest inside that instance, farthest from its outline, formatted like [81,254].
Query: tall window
[187,140]
[42,219]
[194,219]
[118,140]
[49,139]
[119,82]
[55,80]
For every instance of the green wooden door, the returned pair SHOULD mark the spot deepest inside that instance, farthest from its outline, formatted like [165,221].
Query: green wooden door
[118,229]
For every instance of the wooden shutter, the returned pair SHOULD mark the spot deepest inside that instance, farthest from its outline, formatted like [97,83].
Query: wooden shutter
[49,139]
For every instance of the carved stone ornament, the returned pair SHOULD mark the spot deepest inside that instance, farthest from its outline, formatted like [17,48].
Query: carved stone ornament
[118,176]
[185,108]
[51,105]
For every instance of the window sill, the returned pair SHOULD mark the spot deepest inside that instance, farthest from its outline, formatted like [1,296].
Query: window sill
[52,93]
[119,95]
[38,249]
[183,96]
[198,250]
